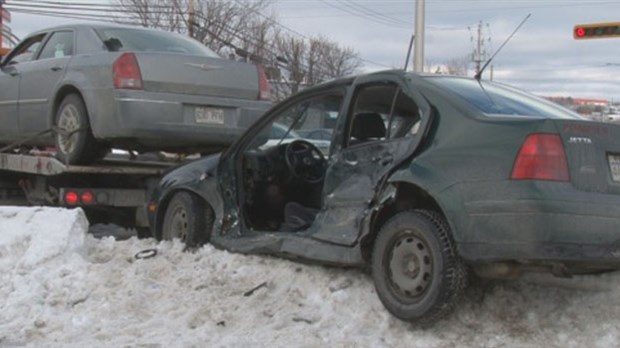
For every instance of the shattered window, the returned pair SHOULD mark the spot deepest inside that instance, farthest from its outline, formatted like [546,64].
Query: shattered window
[140,40]
[371,114]
[382,110]
[405,117]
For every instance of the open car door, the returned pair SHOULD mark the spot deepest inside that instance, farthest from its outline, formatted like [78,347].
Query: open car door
[383,127]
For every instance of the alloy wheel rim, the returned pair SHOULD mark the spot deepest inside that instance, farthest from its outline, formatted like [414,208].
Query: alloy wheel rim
[68,123]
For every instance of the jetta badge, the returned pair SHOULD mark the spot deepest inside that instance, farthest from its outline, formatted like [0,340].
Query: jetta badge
[579,140]
[204,67]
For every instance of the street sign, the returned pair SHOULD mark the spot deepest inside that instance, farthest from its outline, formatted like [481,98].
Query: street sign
[596,30]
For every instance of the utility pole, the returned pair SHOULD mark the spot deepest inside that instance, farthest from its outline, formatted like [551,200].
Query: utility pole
[478,56]
[418,56]
[191,21]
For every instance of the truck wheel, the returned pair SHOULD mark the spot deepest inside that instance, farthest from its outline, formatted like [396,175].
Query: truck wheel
[75,143]
[189,219]
[417,273]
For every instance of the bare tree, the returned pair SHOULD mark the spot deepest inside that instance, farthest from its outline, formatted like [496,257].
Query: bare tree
[292,55]
[339,61]
[218,24]
[456,66]
[151,13]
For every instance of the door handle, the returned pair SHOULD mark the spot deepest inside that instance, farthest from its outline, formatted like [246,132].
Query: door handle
[56,68]
[14,73]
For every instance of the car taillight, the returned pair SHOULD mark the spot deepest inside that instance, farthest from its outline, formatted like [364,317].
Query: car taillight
[126,72]
[72,198]
[264,92]
[541,157]
[87,197]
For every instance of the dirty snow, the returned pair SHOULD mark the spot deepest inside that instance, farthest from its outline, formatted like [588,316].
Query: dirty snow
[62,287]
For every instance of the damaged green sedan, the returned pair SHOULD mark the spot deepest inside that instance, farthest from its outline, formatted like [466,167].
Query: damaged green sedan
[425,178]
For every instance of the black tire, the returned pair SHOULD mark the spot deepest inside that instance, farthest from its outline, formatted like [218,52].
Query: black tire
[416,270]
[75,143]
[189,219]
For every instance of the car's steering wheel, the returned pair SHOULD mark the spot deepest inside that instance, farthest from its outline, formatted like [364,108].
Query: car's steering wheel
[305,161]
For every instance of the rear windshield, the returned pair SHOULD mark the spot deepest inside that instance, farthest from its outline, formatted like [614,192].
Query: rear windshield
[495,99]
[141,40]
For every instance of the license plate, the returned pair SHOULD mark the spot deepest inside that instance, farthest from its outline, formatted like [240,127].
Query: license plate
[209,115]
[614,166]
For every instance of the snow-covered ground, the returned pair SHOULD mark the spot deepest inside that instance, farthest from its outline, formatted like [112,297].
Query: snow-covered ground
[60,286]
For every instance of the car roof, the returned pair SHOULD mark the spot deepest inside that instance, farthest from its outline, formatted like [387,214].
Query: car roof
[78,26]
[344,81]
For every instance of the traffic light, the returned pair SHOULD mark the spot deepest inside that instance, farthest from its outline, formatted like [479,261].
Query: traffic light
[596,30]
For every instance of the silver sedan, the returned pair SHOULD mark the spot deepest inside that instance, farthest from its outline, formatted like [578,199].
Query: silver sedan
[87,88]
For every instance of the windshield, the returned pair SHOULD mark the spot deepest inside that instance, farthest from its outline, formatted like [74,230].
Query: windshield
[141,40]
[495,99]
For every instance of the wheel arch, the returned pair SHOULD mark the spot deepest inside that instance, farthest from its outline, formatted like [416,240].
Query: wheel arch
[407,196]
[60,95]
[165,201]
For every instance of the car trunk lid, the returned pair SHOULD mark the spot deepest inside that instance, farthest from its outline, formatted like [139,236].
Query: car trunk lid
[593,154]
[196,75]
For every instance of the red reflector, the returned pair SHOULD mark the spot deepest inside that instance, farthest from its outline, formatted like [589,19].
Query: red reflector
[87,197]
[263,84]
[126,72]
[541,157]
[71,198]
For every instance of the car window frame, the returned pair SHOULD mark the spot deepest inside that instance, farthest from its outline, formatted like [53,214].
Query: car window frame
[398,90]
[21,47]
[49,37]
[308,99]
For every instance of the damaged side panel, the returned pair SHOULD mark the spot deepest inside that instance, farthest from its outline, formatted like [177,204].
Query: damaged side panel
[352,184]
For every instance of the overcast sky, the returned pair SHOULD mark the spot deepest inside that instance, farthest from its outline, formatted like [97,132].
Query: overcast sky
[542,58]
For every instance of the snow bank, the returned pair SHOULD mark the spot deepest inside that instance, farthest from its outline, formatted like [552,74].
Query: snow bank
[39,234]
[61,287]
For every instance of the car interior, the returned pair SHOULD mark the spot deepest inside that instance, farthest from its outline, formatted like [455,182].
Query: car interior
[283,177]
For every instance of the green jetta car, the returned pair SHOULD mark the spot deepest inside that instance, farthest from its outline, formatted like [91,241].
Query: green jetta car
[427,179]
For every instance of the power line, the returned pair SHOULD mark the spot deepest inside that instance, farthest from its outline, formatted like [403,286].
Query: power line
[90,11]
[71,4]
[355,10]
[304,36]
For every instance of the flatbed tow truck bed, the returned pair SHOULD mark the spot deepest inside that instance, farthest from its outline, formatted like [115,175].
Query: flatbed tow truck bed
[113,190]
[49,166]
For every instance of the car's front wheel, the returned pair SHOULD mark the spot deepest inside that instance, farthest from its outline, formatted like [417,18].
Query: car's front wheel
[75,143]
[189,219]
[416,270]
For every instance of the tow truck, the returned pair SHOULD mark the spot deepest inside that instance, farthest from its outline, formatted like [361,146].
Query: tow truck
[113,190]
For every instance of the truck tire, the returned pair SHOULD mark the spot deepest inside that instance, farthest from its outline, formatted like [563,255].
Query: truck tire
[75,143]
[416,270]
[189,219]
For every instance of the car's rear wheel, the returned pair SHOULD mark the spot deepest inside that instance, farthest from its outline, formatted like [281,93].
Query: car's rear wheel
[75,143]
[189,219]
[417,272]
